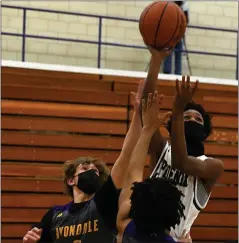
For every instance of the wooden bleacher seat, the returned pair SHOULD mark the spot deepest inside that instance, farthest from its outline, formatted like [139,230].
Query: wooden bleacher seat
[51,74]
[49,117]
[127,84]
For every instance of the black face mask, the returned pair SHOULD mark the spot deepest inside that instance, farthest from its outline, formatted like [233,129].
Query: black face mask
[194,135]
[194,131]
[88,182]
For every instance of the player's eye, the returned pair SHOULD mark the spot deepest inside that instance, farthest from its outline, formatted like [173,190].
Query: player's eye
[198,119]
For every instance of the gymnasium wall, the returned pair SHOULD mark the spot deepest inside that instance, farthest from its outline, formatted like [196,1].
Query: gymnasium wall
[214,14]
[49,117]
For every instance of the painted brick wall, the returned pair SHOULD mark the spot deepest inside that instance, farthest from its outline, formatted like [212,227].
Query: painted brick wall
[215,14]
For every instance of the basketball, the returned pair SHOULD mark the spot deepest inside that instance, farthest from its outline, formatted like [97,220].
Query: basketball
[162,24]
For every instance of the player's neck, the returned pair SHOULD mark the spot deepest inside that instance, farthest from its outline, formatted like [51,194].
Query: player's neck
[80,196]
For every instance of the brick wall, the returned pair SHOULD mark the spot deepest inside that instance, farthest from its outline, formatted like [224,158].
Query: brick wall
[216,14]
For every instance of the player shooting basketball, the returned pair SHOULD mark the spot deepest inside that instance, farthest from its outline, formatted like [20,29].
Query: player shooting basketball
[183,161]
[147,209]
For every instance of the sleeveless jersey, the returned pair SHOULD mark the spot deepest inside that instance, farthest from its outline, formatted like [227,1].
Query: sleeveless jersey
[71,224]
[195,196]
[132,236]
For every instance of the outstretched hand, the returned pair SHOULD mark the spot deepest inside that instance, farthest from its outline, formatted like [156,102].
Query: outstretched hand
[185,238]
[150,112]
[184,92]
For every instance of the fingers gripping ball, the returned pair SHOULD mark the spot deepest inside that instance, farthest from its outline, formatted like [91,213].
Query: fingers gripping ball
[162,24]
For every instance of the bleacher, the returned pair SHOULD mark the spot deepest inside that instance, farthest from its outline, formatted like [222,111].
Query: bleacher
[52,116]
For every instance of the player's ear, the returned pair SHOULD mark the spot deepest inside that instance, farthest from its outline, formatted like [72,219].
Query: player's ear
[71,181]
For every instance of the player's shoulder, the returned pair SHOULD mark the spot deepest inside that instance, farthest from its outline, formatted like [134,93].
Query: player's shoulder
[165,152]
[167,147]
[217,163]
[61,208]
[51,214]
[204,157]
[209,159]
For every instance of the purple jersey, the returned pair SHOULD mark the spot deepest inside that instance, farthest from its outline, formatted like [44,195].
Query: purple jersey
[132,236]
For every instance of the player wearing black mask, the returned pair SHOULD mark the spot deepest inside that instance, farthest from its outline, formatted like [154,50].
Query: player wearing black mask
[91,216]
[182,159]
[197,127]
[83,219]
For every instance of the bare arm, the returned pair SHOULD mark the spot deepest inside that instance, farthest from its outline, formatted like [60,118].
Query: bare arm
[138,159]
[137,162]
[132,136]
[209,169]
[134,174]
[157,142]
[121,164]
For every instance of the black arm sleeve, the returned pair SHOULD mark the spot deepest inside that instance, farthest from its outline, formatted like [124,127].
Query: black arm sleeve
[45,225]
[106,200]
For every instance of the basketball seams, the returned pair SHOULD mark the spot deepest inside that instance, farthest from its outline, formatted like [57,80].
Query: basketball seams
[141,19]
[142,23]
[162,24]
[156,34]
[175,31]
[182,28]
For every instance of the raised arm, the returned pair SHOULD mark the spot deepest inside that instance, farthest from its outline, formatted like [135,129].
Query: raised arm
[135,171]
[108,209]
[209,169]
[121,164]
[157,142]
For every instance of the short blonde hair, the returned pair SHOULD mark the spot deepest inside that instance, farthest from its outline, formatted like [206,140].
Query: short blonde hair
[70,168]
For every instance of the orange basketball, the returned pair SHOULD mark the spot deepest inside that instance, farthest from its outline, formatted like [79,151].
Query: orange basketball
[162,24]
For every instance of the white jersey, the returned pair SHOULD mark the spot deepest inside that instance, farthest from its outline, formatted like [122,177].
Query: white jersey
[195,196]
